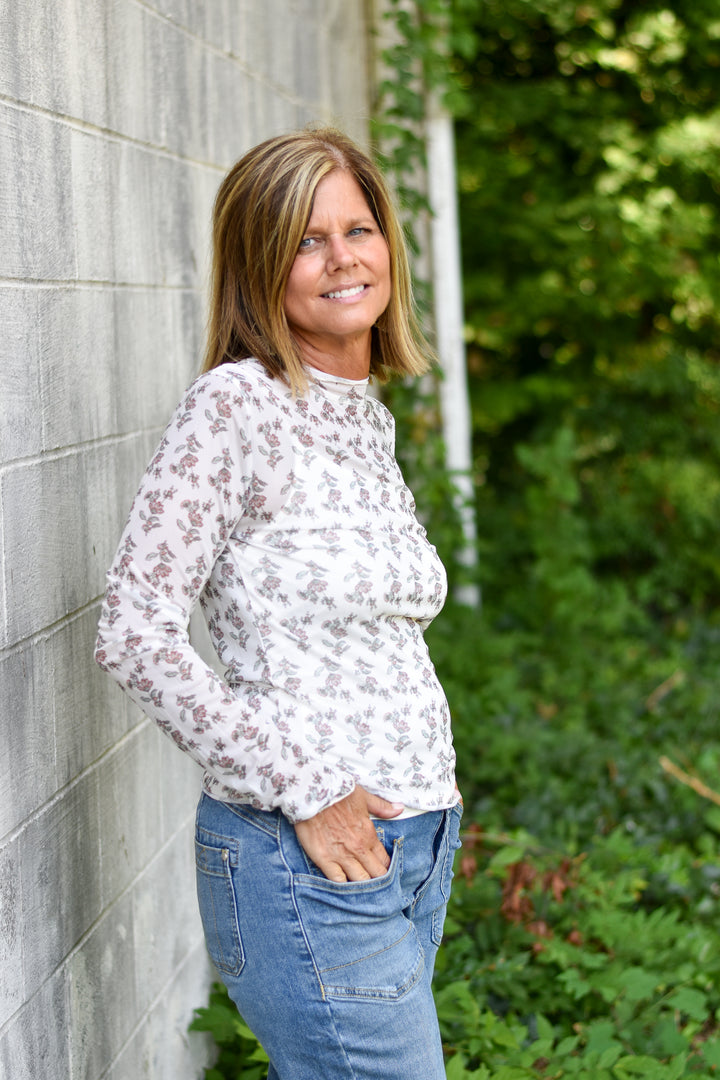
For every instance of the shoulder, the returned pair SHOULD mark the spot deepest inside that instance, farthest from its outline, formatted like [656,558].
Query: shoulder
[233,389]
[381,418]
[239,377]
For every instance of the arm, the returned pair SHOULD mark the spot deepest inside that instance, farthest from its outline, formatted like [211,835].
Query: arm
[194,493]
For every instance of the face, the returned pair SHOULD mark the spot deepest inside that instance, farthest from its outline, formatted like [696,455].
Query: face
[340,281]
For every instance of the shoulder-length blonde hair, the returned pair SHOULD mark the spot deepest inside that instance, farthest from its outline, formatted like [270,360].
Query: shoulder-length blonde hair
[261,213]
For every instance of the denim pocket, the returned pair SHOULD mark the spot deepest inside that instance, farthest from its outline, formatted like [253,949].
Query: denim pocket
[363,946]
[215,858]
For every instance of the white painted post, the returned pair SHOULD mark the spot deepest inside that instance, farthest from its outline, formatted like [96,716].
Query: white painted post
[448,309]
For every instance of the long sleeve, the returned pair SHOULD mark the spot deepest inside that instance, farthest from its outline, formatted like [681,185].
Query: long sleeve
[202,480]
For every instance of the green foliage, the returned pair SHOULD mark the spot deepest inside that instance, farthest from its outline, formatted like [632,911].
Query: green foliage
[240,1056]
[555,966]
[589,167]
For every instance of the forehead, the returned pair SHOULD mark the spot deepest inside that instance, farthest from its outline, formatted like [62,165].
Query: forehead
[339,196]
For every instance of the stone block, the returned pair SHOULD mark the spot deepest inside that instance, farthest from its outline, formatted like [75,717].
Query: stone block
[346,91]
[141,222]
[234,129]
[220,24]
[53,54]
[130,812]
[12,983]
[28,776]
[161,946]
[21,427]
[180,781]
[155,94]
[62,518]
[173,1051]
[272,53]
[102,1007]
[162,1048]
[308,59]
[36,1043]
[113,360]
[61,885]
[38,235]
[176,60]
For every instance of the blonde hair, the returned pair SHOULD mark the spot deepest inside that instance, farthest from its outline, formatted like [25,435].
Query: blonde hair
[260,216]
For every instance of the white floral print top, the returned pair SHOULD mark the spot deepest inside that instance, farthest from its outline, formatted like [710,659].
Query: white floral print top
[288,518]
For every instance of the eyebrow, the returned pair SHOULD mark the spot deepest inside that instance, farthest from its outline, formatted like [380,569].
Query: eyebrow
[352,224]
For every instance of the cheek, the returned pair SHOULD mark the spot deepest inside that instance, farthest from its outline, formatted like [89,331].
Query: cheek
[388,281]
[386,272]
[294,290]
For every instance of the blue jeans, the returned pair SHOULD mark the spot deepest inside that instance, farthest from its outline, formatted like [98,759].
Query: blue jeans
[333,979]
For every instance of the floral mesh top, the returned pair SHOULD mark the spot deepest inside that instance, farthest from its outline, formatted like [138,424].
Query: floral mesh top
[289,520]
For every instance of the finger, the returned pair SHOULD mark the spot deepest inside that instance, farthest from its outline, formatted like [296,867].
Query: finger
[359,871]
[334,873]
[360,866]
[379,807]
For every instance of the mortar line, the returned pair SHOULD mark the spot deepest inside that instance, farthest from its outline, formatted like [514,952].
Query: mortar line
[190,955]
[61,793]
[44,635]
[72,450]
[89,285]
[186,823]
[89,128]
[228,54]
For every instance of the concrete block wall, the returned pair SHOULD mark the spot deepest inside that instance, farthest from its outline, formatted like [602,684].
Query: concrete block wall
[118,119]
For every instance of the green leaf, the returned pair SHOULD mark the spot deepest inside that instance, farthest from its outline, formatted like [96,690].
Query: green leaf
[506,856]
[610,1056]
[455,1068]
[641,1065]
[693,1003]
[638,984]
[601,1035]
[711,1052]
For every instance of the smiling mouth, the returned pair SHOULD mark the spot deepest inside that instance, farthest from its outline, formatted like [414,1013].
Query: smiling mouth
[342,294]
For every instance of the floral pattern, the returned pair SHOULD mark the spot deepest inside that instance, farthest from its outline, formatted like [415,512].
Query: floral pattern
[288,519]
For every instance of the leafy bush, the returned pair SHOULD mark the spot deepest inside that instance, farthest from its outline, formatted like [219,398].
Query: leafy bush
[240,1056]
[589,174]
[605,965]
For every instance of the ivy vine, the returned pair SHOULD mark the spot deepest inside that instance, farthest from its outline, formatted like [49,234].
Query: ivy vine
[416,66]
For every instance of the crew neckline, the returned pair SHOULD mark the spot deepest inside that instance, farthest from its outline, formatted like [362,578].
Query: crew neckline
[337,382]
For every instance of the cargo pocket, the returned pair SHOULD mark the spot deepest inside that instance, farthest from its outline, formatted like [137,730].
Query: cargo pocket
[215,859]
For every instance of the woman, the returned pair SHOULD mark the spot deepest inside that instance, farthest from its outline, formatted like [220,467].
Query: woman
[326,830]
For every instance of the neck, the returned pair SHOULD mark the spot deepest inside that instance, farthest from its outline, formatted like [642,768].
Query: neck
[348,359]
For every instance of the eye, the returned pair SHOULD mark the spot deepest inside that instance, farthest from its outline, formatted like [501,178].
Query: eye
[308,243]
[359,230]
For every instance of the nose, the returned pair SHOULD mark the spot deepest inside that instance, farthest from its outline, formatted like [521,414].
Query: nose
[340,254]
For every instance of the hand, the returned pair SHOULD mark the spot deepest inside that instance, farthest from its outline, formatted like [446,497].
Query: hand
[342,841]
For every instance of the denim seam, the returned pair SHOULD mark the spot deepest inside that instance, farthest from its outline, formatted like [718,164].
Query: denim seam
[297,911]
[444,825]
[363,993]
[245,813]
[230,897]
[369,956]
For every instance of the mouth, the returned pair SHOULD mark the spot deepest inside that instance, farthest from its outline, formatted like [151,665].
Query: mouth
[345,294]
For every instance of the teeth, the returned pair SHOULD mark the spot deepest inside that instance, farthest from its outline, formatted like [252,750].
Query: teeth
[342,293]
